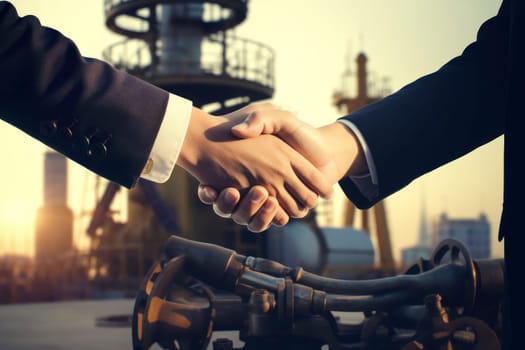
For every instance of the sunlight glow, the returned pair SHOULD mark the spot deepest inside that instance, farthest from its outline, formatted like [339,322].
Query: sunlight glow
[16,227]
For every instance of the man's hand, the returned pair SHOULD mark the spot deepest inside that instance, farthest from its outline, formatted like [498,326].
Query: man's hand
[218,159]
[303,137]
[332,148]
[256,210]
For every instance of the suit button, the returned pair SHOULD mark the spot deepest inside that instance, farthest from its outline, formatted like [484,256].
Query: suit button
[49,128]
[81,143]
[100,150]
[66,133]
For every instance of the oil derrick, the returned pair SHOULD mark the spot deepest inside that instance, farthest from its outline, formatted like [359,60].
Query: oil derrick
[347,103]
[185,47]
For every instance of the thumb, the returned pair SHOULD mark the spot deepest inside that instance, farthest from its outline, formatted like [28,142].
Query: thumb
[207,194]
[277,122]
[249,127]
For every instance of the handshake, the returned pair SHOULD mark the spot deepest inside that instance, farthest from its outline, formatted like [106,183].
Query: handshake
[261,165]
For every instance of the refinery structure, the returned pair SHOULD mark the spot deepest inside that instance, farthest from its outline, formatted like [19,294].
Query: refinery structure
[186,47]
[153,267]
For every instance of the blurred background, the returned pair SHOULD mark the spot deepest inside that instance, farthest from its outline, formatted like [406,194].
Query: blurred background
[319,59]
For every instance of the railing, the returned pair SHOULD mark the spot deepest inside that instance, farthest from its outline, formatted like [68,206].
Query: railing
[233,57]
[215,15]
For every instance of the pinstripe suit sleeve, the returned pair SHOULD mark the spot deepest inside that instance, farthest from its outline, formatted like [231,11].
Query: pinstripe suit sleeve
[102,118]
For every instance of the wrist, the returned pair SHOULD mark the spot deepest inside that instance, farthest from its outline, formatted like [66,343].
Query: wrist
[346,149]
[195,140]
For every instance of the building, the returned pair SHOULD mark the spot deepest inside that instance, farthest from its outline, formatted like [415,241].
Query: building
[473,233]
[423,247]
[54,221]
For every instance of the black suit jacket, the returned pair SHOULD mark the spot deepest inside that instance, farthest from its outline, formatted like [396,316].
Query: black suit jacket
[100,117]
[471,100]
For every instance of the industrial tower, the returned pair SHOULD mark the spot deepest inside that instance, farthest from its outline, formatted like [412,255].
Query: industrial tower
[347,103]
[186,47]
[54,220]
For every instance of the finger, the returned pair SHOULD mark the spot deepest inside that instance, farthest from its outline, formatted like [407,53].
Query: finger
[259,106]
[225,204]
[266,122]
[304,138]
[243,112]
[293,193]
[249,127]
[283,123]
[293,207]
[304,196]
[330,172]
[280,218]
[317,183]
[206,194]
[250,205]
[263,218]
[306,184]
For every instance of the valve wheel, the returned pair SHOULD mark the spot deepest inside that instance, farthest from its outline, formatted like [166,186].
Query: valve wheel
[472,334]
[454,252]
[162,314]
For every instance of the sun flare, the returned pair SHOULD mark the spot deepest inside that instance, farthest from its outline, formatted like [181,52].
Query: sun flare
[16,227]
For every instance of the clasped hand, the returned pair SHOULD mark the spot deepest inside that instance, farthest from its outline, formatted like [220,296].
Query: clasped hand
[284,165]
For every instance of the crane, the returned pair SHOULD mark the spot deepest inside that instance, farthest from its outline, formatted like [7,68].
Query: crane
[377,213]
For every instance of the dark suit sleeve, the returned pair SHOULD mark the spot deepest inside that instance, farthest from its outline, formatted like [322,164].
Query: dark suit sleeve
[102,118]
[439,117]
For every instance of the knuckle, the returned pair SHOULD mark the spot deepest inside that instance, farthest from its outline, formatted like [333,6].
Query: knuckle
[220,213]
[310,200]
[320,182]
[299,213]
[256,116]
[223,208]
[283,220]
[239,218]
[256,227]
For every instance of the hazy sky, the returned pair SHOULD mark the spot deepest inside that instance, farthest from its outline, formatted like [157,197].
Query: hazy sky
[315,41]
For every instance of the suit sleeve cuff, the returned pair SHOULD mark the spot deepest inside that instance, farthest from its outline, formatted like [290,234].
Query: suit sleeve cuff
[169,140]
[367,183]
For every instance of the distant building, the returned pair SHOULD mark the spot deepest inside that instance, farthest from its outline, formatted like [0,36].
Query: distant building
[54,221]
[473,233]
[422,249]
[55,179]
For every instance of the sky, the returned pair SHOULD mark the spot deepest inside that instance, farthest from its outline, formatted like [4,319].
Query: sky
[315,41]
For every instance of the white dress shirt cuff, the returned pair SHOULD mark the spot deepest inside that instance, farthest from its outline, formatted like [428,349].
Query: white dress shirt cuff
[169,140]
[366,183]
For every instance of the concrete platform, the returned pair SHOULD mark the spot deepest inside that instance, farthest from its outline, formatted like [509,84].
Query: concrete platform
[63,325]
[70,325]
